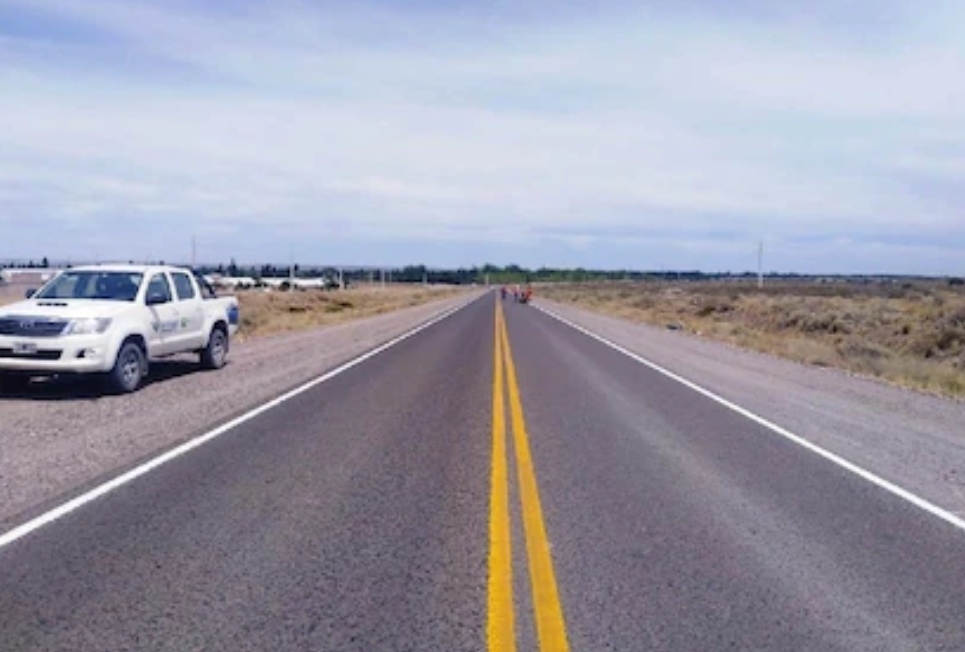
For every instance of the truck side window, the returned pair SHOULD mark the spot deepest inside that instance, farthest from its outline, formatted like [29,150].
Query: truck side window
[183,285]
[207,292]
[159,286]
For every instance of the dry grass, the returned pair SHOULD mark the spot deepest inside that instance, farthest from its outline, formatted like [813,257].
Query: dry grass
[265,313]
[912,334]
[11,293]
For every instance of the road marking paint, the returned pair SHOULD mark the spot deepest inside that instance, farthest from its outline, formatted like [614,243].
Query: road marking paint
[501,633]
[125,478]
[550,624]
[834,458]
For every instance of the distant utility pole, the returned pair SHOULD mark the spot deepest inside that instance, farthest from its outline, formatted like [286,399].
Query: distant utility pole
[760,265]
[382,276]
[194,251]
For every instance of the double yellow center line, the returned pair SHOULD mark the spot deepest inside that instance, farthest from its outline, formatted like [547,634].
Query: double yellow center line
[550,626]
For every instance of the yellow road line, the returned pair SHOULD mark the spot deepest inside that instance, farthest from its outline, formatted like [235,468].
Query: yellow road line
[500,631]
[550,625]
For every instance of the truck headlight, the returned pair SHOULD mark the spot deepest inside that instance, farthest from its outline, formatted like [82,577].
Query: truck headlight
[87,326]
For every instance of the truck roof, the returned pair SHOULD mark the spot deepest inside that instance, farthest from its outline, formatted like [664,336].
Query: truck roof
[127,267]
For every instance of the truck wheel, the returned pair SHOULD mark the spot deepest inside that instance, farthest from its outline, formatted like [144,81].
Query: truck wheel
[129,369]
[216,352]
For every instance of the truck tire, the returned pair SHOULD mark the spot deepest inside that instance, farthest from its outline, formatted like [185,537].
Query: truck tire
[129,369]
[215,353]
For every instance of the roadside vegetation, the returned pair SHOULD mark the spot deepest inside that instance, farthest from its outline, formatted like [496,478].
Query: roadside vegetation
[908,333]
[266,313]
[10,294]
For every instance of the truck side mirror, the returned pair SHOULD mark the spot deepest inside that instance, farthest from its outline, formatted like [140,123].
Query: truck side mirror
[30,293]
[155,299]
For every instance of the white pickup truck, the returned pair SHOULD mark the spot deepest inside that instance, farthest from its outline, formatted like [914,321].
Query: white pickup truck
[112,320]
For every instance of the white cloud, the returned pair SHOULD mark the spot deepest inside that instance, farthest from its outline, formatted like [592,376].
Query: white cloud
[377,122]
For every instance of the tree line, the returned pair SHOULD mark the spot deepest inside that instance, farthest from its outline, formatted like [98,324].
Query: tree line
[493,274]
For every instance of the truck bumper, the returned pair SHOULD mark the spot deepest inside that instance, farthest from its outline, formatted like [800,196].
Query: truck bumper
[55,355]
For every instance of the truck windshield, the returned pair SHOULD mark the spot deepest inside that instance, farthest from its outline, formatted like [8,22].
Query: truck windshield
[110,286]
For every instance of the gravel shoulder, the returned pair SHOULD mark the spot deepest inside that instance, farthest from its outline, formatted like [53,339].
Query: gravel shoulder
[914,440]
[57,438]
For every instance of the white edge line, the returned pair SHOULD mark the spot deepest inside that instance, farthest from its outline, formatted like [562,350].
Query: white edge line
[76,503]
[890,487]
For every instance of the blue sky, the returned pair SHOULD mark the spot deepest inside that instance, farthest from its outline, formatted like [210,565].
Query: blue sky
[653,135]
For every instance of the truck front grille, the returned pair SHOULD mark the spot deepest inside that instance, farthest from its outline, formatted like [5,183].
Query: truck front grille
[32,326]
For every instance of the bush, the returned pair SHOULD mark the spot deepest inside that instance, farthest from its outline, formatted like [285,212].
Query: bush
[713,307]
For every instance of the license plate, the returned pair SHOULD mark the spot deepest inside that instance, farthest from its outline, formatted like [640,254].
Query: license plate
[24,348]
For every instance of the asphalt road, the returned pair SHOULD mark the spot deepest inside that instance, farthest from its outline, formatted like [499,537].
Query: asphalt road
[432,499]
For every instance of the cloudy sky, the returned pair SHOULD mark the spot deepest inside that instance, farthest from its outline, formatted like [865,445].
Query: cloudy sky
[654,134]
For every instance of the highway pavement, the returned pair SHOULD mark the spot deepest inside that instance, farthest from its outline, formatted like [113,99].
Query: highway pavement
[496,481]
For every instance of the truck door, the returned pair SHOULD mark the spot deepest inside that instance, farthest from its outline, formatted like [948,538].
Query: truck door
[190,334]
[164,317]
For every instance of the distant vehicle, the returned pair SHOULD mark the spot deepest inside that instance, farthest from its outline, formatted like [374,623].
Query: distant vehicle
[522,295]
[112,320]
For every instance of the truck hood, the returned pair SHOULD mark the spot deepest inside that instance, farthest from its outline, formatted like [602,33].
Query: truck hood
[66,308]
